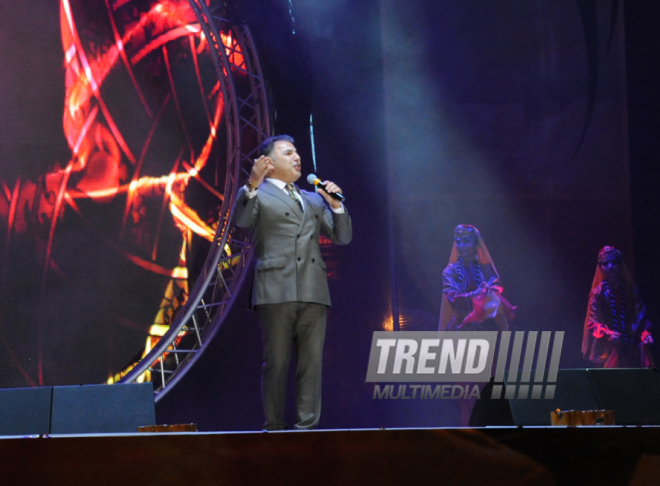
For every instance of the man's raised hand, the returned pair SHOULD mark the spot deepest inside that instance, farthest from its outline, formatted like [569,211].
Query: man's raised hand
[262,166]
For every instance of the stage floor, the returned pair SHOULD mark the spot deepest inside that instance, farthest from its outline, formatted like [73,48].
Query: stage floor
[497,455]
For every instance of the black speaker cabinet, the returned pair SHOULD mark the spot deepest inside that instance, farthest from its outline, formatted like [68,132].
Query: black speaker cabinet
[93,409]
[633,394]
[25,411]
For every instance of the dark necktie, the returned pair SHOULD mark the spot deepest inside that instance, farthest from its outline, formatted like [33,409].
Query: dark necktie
[291,189]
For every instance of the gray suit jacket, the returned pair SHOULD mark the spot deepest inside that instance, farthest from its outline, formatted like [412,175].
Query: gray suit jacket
[289,266]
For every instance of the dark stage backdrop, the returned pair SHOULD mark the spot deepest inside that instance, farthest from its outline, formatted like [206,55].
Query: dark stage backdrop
[510,116]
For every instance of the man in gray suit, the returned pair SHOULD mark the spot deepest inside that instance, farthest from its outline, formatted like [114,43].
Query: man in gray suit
[290,289]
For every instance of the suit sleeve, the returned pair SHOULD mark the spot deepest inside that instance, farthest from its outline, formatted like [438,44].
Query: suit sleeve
[245,209]
[337,227]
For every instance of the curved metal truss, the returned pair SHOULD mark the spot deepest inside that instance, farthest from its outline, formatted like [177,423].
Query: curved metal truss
[247,124]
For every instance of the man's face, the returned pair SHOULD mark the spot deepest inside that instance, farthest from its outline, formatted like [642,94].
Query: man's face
[286,161]
[466,246]
[611,268]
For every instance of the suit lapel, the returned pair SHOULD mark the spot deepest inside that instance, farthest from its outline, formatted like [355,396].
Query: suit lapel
[275,191]
[311,210]
[309,207]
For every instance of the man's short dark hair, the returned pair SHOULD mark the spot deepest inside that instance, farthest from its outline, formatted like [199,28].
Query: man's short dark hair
[266,147]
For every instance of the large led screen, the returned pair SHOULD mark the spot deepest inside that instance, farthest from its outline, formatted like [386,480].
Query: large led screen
[111,160]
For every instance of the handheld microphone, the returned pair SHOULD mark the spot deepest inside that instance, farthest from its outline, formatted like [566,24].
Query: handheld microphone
[312,179]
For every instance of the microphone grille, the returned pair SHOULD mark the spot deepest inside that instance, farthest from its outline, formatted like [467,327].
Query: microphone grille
[311,178]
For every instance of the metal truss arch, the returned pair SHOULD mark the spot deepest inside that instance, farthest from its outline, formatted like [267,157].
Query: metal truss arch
[247,123]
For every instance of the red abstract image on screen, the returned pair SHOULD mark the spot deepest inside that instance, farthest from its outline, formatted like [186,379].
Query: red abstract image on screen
[99,248]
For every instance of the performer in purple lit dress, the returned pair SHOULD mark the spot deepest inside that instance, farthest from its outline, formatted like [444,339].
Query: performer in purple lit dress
[616,331]
[471,294]
[471,291]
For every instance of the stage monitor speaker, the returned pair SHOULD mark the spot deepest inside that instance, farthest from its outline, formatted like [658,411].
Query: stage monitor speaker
[99,409]
[633,394]
[574,391]
[25,411]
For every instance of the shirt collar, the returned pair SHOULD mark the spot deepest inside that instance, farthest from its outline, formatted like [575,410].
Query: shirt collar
[279,183]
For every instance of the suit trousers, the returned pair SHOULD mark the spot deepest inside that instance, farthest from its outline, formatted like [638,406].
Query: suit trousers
[288,326]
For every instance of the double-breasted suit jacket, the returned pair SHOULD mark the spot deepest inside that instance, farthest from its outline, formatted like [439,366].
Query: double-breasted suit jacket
[289,266]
